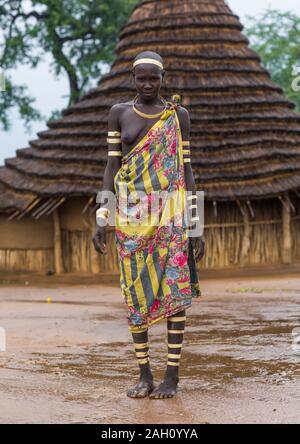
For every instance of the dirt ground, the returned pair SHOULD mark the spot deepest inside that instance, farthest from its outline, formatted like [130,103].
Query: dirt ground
[70,359]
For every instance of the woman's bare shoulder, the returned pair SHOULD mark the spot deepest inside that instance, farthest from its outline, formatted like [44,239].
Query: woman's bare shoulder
[184,120]
[183,115]
[115,115]
[118,108]
[182,111]
[121,105]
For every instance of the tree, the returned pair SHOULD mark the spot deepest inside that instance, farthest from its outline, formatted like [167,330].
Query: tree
[276,37]
[80,35]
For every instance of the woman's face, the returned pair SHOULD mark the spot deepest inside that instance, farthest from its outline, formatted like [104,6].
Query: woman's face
[148,80]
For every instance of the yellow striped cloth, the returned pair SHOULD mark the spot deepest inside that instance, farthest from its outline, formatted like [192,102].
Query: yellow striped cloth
[158,275]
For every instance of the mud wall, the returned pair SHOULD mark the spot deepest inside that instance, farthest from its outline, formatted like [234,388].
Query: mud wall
[26,244]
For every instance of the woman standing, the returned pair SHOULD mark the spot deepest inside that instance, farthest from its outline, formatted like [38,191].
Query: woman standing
[149,154]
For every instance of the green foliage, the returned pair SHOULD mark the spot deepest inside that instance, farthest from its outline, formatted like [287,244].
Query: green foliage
[276,38]
[80,36]
[17,97]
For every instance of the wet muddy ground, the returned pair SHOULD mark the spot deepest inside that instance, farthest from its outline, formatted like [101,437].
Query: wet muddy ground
[70,359]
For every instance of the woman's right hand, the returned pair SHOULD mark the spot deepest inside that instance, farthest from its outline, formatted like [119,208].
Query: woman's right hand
[99,240]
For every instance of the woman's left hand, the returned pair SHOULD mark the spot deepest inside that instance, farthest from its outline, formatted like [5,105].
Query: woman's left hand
[198,244]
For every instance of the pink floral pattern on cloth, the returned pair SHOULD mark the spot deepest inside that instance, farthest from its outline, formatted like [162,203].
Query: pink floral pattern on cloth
[158,274]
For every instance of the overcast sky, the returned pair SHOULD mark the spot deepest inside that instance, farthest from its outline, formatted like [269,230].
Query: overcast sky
[50,94]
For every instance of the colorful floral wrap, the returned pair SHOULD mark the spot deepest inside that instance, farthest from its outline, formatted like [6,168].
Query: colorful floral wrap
[158,274]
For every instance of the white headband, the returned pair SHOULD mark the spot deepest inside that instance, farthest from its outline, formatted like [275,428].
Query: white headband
[148,60]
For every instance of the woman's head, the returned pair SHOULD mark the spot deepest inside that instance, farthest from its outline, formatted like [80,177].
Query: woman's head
[148,74]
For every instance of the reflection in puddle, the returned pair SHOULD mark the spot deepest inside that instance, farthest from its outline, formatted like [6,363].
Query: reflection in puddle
[64,363]
[260,350]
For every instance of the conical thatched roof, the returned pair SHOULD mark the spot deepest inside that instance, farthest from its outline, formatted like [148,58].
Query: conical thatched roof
[245,134]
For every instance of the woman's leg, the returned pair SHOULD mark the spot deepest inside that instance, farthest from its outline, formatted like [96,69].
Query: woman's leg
[168,387]
[141,347]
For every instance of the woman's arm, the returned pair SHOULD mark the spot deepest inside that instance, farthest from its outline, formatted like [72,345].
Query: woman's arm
[114,145]
[185,125]
[112,167]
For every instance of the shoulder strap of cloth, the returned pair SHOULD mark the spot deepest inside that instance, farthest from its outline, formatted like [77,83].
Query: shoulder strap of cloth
[172,105]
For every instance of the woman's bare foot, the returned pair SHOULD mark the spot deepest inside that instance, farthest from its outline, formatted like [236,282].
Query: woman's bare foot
[166,389]
[142,389]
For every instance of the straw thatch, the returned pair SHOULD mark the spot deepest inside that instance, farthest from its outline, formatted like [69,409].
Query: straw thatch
[245,135]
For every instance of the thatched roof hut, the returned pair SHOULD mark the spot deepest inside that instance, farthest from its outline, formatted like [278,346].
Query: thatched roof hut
[245,141]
